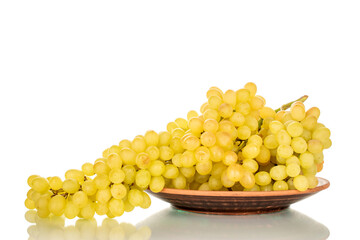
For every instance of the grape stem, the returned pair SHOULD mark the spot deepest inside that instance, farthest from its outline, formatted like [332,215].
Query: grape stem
[287,105]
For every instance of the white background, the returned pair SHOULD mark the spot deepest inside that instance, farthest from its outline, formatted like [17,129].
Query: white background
[78,76]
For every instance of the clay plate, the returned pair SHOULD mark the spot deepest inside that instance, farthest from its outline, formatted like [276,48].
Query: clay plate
[235,202]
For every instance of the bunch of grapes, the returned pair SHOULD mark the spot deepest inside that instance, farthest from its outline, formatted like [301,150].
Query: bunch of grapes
[236,143]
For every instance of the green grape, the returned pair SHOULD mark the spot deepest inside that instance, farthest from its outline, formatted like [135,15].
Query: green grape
[211,114]
[146,201]
[102,181]
[254,188]
[166,153]
[285,151]
[301,183]
[88,211]
[100,167]
[244,132]
[128,207]
[75,174]
[204,187]
[299,144]
[262,178]
[256,140]
[297,111]
[151,138]
[80,199]
[164,138]
[318,157]
[138,144]
[71,186]
[225,110]
[306,159]
[124,144]
[237,119]
[118,191]
[283,138]
[211,125]
[177,132]
[309,122]
[88,169]
[306,135]
[175,145]
[157,184]
[270,142]
[267,112]
[225,181]
[215,183]
[142,178]
[40,184]
[266,188]
[251,122]
[135,197]
[295,129]
[248,179]
[188,172]
[250,151]
[170,127]
[30,179]
[130,173]
[187,159]
[257,103]
[128,156]
[214,102]
[235,172]
[191,114]
[116,175]
[181,122]
[171,171]
[204,167]
[179,182]
[143,160]
[278,172]
[208,139]
[243,95]
[101,208]
[114,161]
[217,169]
[250,165]
[321,133]
[292,159]
[293,169]
[315,146]
[156,168]
[230,157]
[314,111]
[153,152]
[224,140]
[290,184]
[244,108]
[312,170]
[280,186]
[230,97]
[201,154]
[57,205]
[29,204]
[312,180]
[275,126]
[103,195]
[55,183]
[189,142]
[196,125]
[217,153]
[116,207]
[264,155]
[89,187]
[114,149]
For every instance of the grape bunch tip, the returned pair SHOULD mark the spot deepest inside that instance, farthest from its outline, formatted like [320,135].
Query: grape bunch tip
[235,143]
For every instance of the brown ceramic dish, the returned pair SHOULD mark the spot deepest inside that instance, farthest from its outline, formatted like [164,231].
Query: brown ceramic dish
[235,202]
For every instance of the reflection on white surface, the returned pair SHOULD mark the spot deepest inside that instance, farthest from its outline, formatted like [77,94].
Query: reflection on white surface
[53,228]
[287,224]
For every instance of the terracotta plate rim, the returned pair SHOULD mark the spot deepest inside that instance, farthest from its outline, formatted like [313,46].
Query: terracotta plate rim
[323,184]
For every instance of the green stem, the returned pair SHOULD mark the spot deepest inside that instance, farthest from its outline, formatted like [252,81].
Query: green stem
[287,105]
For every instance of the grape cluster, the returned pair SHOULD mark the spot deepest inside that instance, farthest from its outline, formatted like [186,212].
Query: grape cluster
[236,143]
